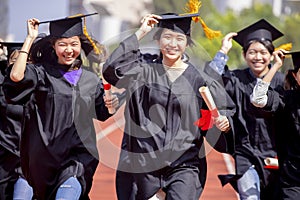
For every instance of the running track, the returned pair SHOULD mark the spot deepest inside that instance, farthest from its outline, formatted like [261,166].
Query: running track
[109,136]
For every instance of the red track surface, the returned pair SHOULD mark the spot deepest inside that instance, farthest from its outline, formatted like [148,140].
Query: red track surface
[109,136]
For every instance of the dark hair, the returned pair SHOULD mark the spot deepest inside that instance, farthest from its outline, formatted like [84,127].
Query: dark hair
[158,33]
[41,50]
[268,44]
[290,81]
[90,53]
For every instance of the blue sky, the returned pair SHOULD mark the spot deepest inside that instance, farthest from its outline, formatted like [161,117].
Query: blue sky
[21,10]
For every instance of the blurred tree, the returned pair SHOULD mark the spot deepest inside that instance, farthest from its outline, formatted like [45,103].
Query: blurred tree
[167,6]
[231,21]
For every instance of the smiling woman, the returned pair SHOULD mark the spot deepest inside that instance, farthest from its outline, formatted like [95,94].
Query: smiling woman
[172,45]
[161,143]
[59,155]
[255,129]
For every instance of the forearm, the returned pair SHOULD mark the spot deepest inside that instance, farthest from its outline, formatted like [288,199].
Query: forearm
[269,76]
[259,97]
[140,34]
[19,67]
[122,61]
[218,63]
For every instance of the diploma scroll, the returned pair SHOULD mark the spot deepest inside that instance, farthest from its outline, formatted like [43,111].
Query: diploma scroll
[271,162]
[206,95]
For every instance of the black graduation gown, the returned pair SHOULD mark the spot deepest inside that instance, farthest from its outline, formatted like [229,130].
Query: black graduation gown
[10,126]
[254,127]
[160,115]
[287,108]
[10,131]
[59,139]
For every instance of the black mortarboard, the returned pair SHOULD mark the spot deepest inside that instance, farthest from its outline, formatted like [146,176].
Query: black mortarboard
[178,23]
[11,46]
[296,59]
[67,27]
[260,30]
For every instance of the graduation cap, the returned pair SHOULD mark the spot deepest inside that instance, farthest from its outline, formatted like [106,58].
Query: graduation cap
[178,23]
[11,47]
[68,26]
[260,30]
[296,59]
[182,22]
[71,26]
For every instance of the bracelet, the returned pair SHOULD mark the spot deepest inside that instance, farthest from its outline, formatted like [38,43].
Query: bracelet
[23,52]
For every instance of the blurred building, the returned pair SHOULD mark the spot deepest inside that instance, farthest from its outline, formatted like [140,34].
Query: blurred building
[280,7]
[3,18]
[115,17]
[290,6]
[224,5]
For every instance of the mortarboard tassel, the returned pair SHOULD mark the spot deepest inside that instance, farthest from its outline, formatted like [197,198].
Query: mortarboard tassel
[85,32]
[287,47]
[193,6]
[209,33]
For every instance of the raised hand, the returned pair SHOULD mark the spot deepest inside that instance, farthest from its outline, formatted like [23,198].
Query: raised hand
[32,28]
[147,24]
[227,42]
[278,58]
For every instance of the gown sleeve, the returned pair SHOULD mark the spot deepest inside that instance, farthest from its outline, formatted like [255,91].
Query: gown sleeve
[123,63]
[266,97]
[218,70]
[20,92]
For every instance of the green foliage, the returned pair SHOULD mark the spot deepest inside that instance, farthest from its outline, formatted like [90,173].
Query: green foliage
[231,21]
[291,26]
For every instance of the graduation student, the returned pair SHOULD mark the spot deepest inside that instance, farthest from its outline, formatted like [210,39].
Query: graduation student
[13,185]
[58,147]
[162,148]
[287,112]
[254,127]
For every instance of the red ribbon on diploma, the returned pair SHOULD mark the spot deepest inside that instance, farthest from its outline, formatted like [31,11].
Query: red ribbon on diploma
[107,86]
[206,121]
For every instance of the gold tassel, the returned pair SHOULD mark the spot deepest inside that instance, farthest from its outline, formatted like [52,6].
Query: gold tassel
[85,32]
[287,47]
[193,6]
[96,49]
[209,33]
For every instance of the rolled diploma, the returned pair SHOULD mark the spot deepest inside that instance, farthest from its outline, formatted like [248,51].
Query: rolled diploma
[107,90]
[206,95]
[271,161]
